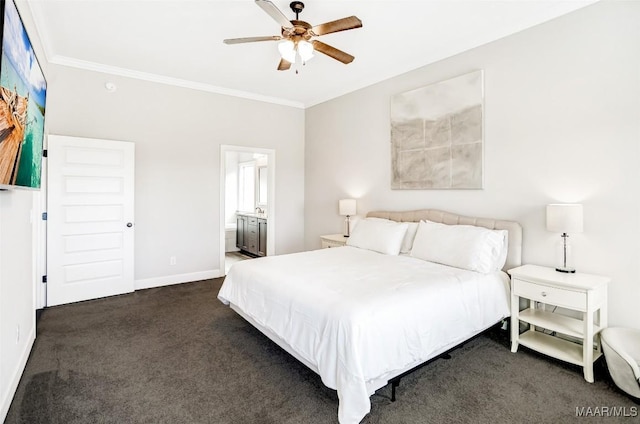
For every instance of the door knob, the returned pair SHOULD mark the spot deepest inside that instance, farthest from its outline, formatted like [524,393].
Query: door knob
[129,224]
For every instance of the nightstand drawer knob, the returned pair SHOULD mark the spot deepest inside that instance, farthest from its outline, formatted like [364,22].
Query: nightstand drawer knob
[544,294]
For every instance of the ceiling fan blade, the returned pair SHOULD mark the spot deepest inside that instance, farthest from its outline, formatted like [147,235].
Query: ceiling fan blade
[251,39]
[273,11]
[335,26]
[284,65]
[332,52]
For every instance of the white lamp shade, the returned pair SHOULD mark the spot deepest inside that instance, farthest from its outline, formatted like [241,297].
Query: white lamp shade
[347,207]
[305,50]
[564,218]
[287,51]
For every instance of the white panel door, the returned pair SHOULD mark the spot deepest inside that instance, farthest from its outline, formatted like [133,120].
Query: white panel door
[90,219]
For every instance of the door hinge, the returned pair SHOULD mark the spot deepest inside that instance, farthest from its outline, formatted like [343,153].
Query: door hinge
[45,153]
[44,216]
[44,279]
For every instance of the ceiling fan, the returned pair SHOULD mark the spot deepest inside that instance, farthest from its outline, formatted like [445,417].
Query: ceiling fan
[297,36]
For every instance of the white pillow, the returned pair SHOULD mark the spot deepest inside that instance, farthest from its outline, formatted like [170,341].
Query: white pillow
[407,243]
[462,246]
[380,235]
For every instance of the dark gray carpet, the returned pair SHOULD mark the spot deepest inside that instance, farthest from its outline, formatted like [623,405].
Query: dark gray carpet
[177,355]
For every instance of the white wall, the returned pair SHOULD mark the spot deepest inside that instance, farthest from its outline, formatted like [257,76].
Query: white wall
[562,124]
[17,276]
[17,313]
[178,133]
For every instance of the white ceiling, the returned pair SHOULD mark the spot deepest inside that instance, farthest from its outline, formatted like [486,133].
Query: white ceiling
[180,41]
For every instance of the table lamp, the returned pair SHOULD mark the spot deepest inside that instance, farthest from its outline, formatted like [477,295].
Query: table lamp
[564,219]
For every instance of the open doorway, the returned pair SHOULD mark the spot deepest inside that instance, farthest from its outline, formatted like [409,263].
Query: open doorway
[247,204]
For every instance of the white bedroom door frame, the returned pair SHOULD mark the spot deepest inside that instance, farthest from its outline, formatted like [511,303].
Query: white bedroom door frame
[271,191]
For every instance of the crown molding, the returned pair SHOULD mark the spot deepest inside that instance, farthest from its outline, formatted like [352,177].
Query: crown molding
[51,57]
[162,79]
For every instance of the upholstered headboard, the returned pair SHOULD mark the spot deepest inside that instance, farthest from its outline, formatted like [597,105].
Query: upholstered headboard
[514,254]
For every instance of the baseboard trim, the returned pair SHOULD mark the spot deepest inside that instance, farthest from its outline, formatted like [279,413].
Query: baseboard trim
[17,374]
[169,280]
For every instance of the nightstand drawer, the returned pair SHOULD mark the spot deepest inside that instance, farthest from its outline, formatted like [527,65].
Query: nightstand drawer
[332,240]
[327,244]
[551,295]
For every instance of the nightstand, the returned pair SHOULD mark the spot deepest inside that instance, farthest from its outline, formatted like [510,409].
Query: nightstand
[543,286]
[333,240]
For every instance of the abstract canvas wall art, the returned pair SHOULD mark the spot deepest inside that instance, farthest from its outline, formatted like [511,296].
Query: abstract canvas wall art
[437,135]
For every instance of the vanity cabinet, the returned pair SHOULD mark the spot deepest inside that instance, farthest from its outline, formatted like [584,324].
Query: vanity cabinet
[251,234]
[262,237]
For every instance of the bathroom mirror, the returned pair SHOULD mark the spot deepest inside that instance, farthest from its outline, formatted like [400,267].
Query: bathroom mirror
[262,186]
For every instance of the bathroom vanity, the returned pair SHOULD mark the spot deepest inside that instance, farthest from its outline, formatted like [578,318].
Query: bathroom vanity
[251,233]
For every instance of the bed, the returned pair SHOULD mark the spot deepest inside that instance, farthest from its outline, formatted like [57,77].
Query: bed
[361,318]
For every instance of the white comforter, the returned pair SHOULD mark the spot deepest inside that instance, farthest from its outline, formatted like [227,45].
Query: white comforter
[358,315]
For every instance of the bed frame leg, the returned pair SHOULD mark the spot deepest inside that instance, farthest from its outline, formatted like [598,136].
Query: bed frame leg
[394,384]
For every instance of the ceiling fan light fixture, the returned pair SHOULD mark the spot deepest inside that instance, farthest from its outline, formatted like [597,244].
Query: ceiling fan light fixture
[297,37]
[287,51]
[305,50]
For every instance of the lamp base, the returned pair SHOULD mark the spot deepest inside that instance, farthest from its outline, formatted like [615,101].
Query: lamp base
[347,225]
[566,270]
